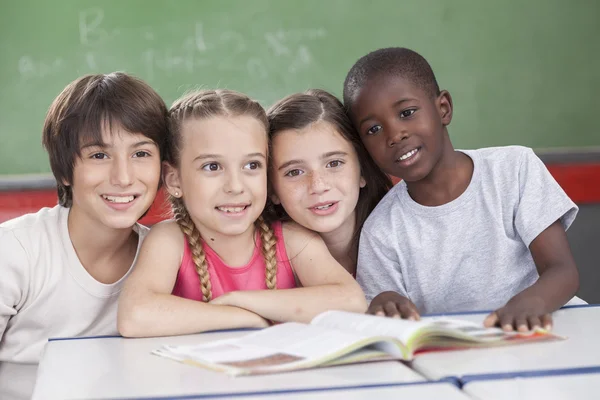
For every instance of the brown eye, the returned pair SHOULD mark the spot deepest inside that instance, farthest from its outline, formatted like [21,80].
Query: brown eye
[373,130]
[407,113]
[253,165]
[140,154]
[334,164]
[293,172]
[211,167]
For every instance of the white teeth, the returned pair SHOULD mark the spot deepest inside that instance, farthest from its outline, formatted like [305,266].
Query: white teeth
[325,207]
[408,155]
[231,209]
[119,199]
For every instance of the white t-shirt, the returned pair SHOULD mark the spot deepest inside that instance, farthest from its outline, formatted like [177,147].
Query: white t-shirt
[45,292]
[473,252]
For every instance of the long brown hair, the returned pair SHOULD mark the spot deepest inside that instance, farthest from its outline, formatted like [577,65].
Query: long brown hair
[206,104]
[298,111]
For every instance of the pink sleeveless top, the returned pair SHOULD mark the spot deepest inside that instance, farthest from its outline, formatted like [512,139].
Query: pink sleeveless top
[224,278]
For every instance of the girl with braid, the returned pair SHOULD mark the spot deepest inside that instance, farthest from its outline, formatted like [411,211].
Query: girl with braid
[220,264]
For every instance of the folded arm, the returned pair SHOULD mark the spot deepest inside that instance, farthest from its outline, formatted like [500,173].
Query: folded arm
[326,285]
[147,307]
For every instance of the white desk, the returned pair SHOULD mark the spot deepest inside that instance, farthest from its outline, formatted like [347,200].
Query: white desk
[582,349]
[561,387]
[427,391]
[117,368]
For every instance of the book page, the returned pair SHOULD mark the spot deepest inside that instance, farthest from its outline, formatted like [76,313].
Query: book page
[475,332]
[302,340]
[286,346]
[400,329]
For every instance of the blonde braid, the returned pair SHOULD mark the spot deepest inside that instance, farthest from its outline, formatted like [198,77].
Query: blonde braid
[192,235]
[268,239]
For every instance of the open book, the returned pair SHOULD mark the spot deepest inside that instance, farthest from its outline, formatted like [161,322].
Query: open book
[338,337]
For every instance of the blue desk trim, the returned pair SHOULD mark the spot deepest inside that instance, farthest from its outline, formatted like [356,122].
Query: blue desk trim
[121,337]
[290,391]
[580,306]
[58,339]
[451,314]
[529,374]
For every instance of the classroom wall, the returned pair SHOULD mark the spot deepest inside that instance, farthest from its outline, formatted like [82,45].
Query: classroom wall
[584,238]
[520,72]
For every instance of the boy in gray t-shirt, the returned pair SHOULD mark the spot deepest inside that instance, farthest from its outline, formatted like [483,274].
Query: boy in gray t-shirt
[465,230]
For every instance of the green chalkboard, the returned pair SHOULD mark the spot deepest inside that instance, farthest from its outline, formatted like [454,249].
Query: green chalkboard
[520,72]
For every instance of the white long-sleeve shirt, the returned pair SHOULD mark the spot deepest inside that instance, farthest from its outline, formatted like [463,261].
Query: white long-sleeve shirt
[45,292]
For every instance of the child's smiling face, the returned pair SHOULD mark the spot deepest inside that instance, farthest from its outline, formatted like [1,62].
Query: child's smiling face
[316,177]
[115,181]
[222,173]
[402,125]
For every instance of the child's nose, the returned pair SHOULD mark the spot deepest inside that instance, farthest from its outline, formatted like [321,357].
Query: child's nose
[319,183]
[397,134]
[233,183]
[121,173]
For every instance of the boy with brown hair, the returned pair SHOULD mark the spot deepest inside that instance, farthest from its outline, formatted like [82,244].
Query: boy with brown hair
[62,268]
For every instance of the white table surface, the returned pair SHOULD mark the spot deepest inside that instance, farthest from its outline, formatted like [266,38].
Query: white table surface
[581,349]
[428,391]
[118,367]
[563,387]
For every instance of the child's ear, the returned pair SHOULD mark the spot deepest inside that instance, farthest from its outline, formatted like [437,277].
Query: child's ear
[363,183]
[275,199]
[172,180]
[444,103]
[65,182]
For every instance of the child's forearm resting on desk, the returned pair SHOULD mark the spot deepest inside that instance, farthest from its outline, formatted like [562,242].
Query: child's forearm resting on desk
[160,314]
[298,304]
[557,284]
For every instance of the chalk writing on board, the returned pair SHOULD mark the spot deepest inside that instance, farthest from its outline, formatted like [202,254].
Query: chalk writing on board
[170,49]
[199,37]
[256,68]
[90,59]
[303,59]
[31,68]
[90,30]
[260,58]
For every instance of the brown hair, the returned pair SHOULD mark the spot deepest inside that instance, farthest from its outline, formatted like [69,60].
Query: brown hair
[207,104]
[89,104]
[299,110]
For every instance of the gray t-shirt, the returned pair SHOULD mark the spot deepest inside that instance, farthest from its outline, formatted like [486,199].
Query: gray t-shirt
[469,254]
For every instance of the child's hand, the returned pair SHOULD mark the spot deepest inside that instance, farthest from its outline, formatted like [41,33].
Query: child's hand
[230,299]
[522,314]
[391,304]
[223,300]
[262,323]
